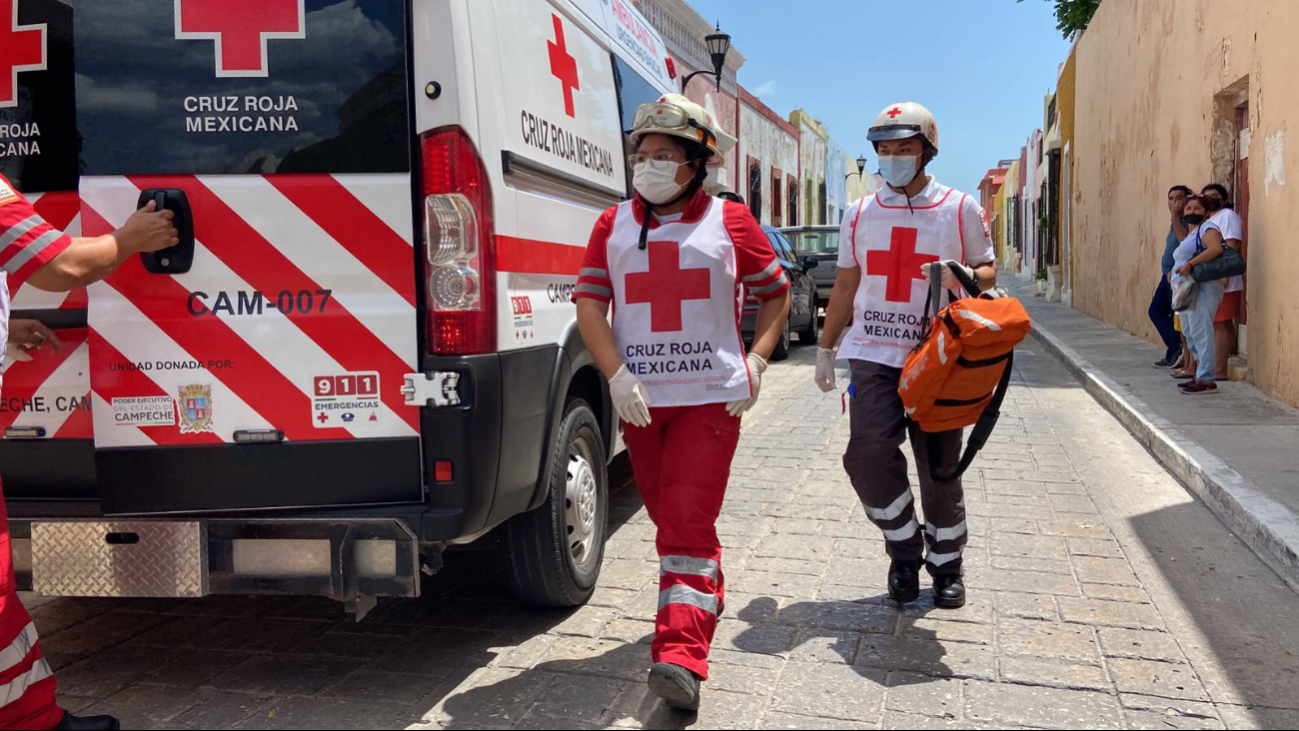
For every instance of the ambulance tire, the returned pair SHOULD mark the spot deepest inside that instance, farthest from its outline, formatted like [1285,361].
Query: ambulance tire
[783,345]
[543,566]
[812,333]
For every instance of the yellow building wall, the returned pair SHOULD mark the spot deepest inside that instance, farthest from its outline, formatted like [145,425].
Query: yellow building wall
[1065,96]
[1148,72]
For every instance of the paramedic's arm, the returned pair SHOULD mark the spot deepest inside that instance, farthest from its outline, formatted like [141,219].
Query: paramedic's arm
[593,321]
[987,275]
[762,277]
[839,312]
[594,296]
[90,259]
[772,314]
[976,240]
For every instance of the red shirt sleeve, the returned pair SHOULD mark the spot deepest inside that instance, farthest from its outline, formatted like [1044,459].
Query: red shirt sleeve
[593,280]
[27,241]
[760,273]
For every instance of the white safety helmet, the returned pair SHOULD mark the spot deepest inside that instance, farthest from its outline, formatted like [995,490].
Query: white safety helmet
[904,121]
[677,116]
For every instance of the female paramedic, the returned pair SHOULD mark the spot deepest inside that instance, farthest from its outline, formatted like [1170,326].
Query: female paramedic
[670,263]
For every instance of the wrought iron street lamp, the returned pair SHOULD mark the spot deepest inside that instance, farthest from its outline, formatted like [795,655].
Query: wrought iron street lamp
[719,44]
[861,168]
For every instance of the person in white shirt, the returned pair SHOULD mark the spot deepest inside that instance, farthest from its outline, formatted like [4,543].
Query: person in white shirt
[888,243]
[1233,234]
[1204,244]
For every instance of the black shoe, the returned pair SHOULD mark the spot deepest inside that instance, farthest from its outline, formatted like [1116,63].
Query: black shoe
[91,723]
[949,592]
[904,581]
[678,687]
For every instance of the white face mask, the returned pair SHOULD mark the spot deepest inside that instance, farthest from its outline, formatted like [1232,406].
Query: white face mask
[656,181]
[899,170]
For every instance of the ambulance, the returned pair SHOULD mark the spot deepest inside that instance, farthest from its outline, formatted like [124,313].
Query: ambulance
[363,351]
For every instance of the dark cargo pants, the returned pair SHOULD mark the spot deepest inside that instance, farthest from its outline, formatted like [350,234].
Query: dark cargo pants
[878,471]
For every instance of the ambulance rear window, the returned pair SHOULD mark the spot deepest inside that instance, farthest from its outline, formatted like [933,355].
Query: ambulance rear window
[633,91]
[38,132]
[208,87]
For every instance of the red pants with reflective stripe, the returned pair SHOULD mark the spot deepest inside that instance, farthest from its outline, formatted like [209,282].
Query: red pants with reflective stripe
[26,683]
[682,462]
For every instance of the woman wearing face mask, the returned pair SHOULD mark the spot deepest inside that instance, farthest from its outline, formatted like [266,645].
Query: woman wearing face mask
[1202,245]
[892,239]
[672,262]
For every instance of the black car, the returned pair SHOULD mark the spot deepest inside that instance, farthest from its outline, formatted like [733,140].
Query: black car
[804,320]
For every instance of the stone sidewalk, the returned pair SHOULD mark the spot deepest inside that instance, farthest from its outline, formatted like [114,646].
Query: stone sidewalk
[1235,450]
[1101,596]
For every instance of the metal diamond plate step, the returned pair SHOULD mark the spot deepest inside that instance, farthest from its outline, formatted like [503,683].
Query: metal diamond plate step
[120,559]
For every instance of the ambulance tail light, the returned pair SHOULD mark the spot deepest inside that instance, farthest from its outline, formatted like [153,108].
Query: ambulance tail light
[459,246]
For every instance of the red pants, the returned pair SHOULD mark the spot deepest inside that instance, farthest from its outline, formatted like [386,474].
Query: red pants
[682,463]
[26,681]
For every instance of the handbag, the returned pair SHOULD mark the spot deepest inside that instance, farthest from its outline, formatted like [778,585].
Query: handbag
[1184,294]
[1228,264]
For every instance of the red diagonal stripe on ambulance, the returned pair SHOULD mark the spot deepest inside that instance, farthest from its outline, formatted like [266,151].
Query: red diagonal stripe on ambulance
[24,379]
[266,269]
[128,384]
[260,385]
[349,222]
[79,425]
[58,209]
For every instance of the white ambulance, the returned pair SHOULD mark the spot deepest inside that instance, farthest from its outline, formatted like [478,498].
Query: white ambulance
[363,350]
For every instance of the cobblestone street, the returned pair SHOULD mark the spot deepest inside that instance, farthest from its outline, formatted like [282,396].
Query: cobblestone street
[1101,596]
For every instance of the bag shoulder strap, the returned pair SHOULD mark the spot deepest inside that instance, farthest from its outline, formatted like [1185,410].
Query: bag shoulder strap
[983,429]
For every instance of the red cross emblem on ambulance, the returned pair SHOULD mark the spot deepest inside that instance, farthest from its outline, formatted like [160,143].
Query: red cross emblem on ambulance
[241,30]
[22,48]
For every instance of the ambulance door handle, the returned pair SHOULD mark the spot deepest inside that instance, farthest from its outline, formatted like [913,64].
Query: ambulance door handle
[176,259]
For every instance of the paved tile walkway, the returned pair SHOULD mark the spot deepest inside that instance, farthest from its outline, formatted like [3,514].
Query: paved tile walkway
[1094,603]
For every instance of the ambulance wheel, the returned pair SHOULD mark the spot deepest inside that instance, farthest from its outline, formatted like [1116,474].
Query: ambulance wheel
[553,554]
[810,334]
[782,348]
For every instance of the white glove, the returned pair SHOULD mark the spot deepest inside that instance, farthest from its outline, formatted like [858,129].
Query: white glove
[629,398]
[949,279]
[757,366]
[825,369]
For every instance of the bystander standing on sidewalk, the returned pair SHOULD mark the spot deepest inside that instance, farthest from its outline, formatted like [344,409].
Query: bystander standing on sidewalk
[1161,305]
[1233,234]
[1203,244]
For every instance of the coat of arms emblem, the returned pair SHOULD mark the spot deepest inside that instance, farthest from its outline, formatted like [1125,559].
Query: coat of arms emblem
[195,409]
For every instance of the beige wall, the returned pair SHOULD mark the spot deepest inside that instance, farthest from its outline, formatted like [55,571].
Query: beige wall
[1147,75]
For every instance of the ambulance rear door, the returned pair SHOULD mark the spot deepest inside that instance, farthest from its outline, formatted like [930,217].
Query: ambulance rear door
[45,406]
[258,365]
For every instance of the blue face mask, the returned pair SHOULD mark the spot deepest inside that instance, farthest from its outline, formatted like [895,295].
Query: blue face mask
[899,170]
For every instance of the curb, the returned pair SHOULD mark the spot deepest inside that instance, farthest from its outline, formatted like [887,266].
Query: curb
[1265,525]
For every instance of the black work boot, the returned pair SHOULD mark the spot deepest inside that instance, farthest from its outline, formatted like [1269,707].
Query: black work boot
[904,581]
[678,687]
[90,723]
[949,592]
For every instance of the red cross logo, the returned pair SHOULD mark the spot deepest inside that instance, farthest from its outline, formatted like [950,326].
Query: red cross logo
[564,66]
[900,264]
[241,30]
[22,48]
[666,286]
[894,112]
[322,418]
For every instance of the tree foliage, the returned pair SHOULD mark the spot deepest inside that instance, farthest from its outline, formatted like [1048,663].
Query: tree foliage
[1073,15]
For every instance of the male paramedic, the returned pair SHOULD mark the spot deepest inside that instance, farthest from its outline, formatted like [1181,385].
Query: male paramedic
[34,252]
[674,264]
[892,239]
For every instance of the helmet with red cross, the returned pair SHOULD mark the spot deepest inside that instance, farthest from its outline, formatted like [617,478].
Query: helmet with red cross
[677,116]
[904,121]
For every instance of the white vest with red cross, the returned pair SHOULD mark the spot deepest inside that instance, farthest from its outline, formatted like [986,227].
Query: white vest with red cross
[890,243]
[676,308]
